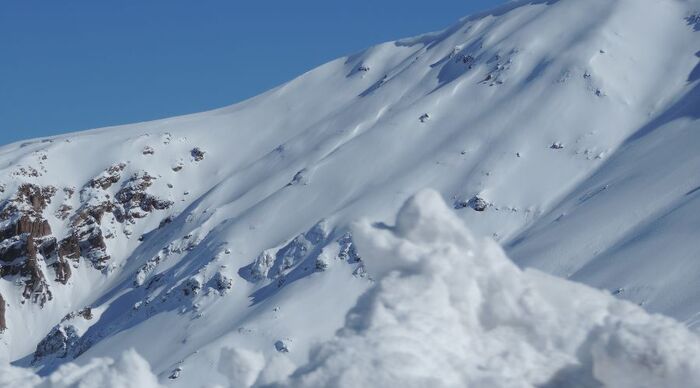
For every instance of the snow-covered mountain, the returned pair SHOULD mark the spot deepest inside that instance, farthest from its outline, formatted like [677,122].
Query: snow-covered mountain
[565,130]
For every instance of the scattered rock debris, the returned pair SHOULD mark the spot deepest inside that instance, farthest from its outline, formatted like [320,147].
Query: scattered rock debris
[476,203]
[557,146]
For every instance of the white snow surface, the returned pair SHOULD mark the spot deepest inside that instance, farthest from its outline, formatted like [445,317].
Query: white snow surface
[573,125]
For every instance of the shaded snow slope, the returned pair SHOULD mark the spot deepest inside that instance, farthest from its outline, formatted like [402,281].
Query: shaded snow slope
[563,129]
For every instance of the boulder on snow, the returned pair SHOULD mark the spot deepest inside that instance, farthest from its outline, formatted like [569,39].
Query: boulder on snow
[281,347]
[556,146]
[221,282]
[477,203]
[197,154]
[191,287]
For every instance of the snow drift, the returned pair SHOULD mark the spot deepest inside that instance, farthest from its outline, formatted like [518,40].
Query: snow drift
[450,310]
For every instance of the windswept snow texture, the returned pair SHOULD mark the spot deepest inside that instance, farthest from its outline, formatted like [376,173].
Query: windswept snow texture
[565,130]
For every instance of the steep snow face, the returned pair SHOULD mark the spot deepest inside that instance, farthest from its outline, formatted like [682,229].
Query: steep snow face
[563,129]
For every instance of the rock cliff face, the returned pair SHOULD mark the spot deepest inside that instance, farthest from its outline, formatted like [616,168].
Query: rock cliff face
[25,239]
[28,248]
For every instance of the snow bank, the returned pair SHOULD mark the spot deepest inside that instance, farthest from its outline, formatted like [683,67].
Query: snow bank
[129,371]
[451,310]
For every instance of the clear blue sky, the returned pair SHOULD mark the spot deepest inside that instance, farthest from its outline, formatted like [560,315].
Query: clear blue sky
[78,64]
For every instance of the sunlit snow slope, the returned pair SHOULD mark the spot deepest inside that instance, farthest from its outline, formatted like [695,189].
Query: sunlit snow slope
[566,130]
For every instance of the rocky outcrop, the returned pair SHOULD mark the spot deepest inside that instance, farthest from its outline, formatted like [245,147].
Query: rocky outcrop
[35,287]
[197,154]
[28,247]
[61,342]
[307,253]
[3,323]
[36,227]
[477,203]
[63,271]
[133,201]
[25,240]
[65,339]
[85,313]
[109,177]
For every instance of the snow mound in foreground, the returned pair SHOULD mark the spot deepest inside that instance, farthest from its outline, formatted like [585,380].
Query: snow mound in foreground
[450,310]
[129,371]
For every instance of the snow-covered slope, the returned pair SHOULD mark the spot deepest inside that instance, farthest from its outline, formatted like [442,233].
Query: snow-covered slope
[445,310]
[566,130]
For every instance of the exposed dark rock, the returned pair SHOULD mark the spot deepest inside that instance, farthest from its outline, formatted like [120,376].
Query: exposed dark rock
[25,224]
[69,247]
[24,241]
[321,265]
[133,196]
[69,191]
[47,246]
[165,221]
[3,323]
[13,248]
[221,282]
[556,146]
[61,342]
[93,247]
[36,196]
[477,203]
[175,374]
[35,287]
[148,150]
[300,178]
[191,287]
[281,347]
[198,154]
[63,212]
[85,313]
[109,177]
[63,271]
